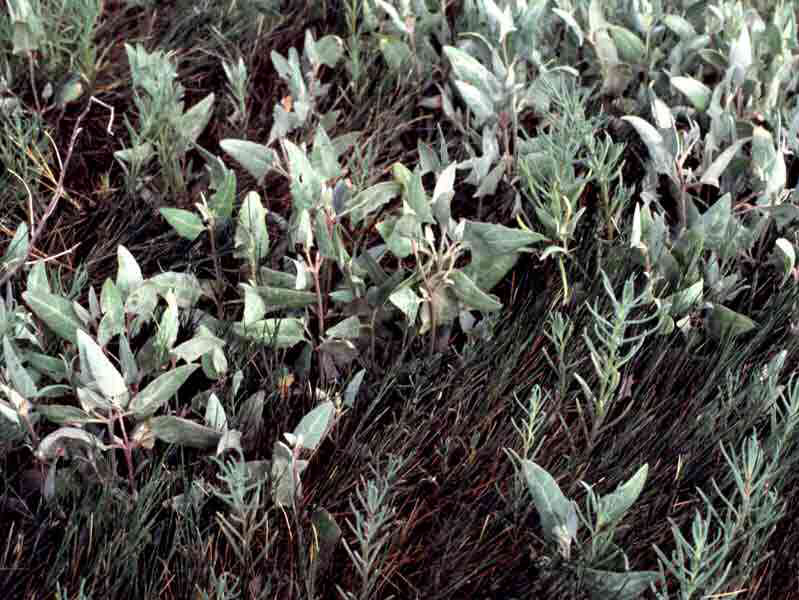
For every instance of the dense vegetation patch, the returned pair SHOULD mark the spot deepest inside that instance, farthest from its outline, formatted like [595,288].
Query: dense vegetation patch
[398,298]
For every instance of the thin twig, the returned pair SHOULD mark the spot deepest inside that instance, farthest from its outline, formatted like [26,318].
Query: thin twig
[59,191]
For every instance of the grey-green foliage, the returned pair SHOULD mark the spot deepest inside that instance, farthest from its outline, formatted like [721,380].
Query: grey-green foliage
[726,546]
[300,108]
[611,346]
[373,515]
[404,31]
[559,520]
[498,80]
[128,391]
[166,129]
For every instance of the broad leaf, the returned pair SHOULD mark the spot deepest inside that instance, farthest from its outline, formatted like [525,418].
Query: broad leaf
[186,223]
[57,442]
[256,159]
[471,295]
[102,371]
[314,426]
[159,391]
[613,507]
[56,312]
[176,430]
[554,509]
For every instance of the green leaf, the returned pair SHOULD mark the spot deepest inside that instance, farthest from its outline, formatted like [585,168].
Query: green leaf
[660,156]
[613,507]
[176,430]
[17,250]
[471,295]
[315,425]
[94,361]
[127,361]
[722,322]
[60,414]
[275,298]
[192,349]
[142,300]
[20,378]
[552,506]
[491,239]
[252,237]
[351,392]
[28,32]
[256,159]
[56,442]
[37,277]
[56,312]
[469,71]
[147,402]
[478,102]
[187,224]
[186,287]
[282,476]
[786,255]
[487,271]
[619,586]
[741,50]
[715,170]
[129,274]
[230,440]
[70,90]
[571,24]
[194,120]
[168,327]
[278,333]
[631,48]
[371,200]
[139,154]
[328,50]
[407,301]
[696,91]
[326,536]
[349,329]
[395,52]
[113,322]
[679,26]
[215,414]
[418,199]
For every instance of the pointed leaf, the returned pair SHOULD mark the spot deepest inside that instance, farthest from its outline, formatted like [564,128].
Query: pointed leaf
[176,430]
[256,159]
[102,371]
[129,274]
[194,120]
[471,295]
[56,312]
[613,507]
[552,506]
[696,91]
[159,391]
[314,426]
[187,224]
[715,170]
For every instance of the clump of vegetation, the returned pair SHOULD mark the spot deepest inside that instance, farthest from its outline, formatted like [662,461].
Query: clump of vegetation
[372,301]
